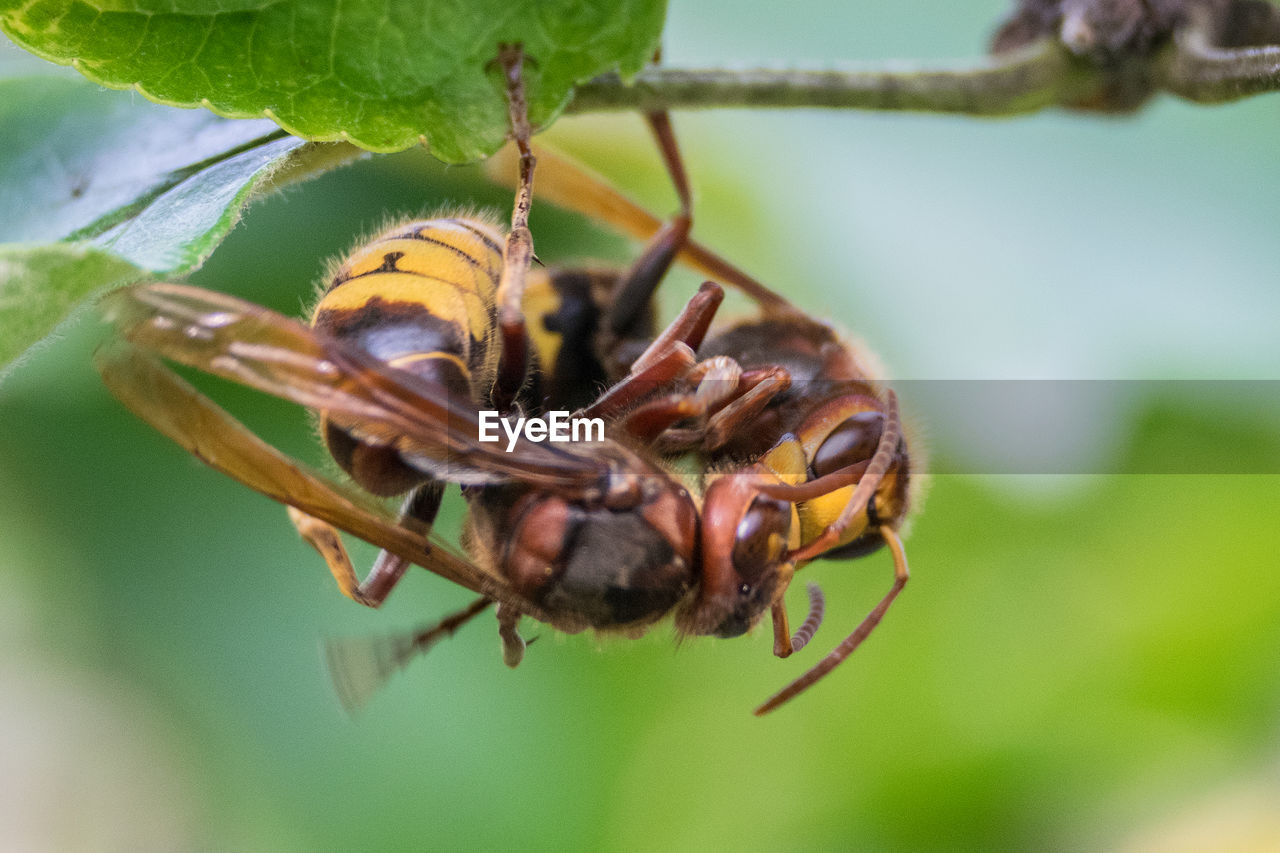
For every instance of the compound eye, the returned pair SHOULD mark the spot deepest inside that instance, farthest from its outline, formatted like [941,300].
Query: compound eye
[854,441]
[761,538]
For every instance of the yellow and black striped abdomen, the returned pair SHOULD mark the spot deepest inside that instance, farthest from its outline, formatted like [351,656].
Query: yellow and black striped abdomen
[419,297]
[422,292]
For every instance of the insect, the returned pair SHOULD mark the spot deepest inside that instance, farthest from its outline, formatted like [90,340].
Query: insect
[415,334]
[800,454]
[827,443]
[398,382]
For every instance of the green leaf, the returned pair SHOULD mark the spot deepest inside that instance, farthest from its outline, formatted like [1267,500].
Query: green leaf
[143,188]
[158,187]
[40,285]
[384,74]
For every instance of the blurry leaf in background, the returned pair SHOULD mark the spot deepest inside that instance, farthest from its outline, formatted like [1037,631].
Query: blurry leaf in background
[39,287]
[71,736]
[72,731]
[1243,817]
[152,188]
[76,161]
[385,76]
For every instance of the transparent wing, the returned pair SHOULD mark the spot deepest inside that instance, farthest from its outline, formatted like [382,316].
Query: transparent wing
[176,409]
[257,347]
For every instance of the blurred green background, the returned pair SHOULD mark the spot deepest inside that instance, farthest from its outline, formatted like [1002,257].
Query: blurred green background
[1080,662]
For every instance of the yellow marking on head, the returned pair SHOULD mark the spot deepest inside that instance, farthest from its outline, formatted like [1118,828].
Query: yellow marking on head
[787,460]
[817,514]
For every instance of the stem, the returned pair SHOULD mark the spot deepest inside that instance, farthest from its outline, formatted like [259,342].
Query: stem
[1022,81]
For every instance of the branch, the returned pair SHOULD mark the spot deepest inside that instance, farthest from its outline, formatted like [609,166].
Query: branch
[1022,81]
